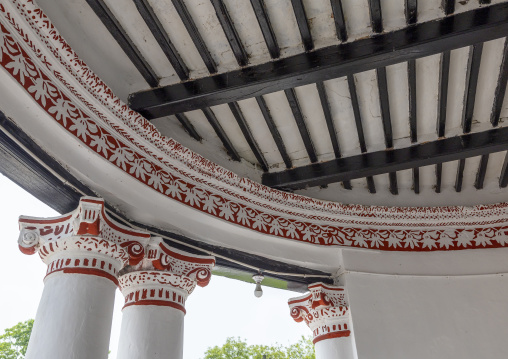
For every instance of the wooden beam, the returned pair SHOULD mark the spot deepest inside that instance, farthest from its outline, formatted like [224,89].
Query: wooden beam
[376,18]
[460,175]
[230,149]
[415,41]
[411,11]
[303,24]
[162,38]
[266,27]
[196,38]
[448,6]
[482,170]
[244,127]
[444,73]
[338,17]
[116,30]
[230,31]
[500,88]
[187,125]
[300,121]
[386,161]
[274,131]
[473,69]
[359,127]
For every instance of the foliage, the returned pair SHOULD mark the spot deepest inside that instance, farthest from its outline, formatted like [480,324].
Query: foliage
[236,348]
[14,342]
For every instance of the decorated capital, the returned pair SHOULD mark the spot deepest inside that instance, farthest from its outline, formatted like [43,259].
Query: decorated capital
[85,241]
[165,277]
[324,310]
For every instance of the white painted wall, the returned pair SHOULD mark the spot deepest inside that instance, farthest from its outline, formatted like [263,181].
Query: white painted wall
[400,317]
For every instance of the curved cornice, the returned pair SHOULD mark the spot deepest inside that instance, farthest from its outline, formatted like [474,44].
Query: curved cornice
[39,59]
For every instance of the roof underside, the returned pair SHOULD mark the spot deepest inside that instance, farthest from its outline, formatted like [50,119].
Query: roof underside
[349,107]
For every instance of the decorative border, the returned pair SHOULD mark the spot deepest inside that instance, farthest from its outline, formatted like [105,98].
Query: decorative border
[109,128]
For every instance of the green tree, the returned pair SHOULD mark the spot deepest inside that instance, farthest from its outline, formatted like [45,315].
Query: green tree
[14,341]
[236,348]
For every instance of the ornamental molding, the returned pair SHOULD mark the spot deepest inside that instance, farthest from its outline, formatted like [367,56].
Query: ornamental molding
[34,54]
[85,240]
[166,276]
[324,310]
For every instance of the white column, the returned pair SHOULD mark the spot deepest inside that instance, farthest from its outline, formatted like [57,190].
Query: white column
[326,312]
[155,294]
[84,251]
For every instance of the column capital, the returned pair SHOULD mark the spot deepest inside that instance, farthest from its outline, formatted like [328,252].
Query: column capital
[166,276]
[325,310]
[85,241]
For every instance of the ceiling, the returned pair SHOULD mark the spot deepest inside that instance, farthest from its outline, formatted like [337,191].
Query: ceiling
[341,123]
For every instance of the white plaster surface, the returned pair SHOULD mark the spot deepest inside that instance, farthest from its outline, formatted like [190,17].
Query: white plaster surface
[74,317]
[335,348]
[151,332]
[400,317]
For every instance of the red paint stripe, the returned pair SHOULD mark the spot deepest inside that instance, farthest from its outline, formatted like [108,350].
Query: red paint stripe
[325,286]
[344,333]
[307,297]
[123,230]
[160,303]
[89,271]
[187,258]
[44,221]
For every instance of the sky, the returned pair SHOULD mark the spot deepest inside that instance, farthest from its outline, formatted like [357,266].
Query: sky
[225,308]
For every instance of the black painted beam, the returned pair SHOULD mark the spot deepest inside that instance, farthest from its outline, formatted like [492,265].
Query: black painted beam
[230,149]
[460,175]
[385,106]
[196,38]
[359,126]
[329,123]
[116,30]
[162,38]
[376,18]
[448,6]
[244,127]
[482,170]
[187,125]
[503,179]
[500,88]
[386,161]
[266,27]
[416,180]
[473,69]
[444,73]
[386,119]
[300,121]
[439,176]
[419,40]
[411,11]
[230,31]
[274,131]
[328,118]
[303,24]
[338,17]
[411,75]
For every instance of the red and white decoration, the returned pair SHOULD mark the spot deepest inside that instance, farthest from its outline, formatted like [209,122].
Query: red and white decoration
[34,54]
[155,292]
[84,251]
[325,310]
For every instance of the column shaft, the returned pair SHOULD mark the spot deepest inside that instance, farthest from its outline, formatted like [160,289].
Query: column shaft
[151,332]
[73,320]
[335,348]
